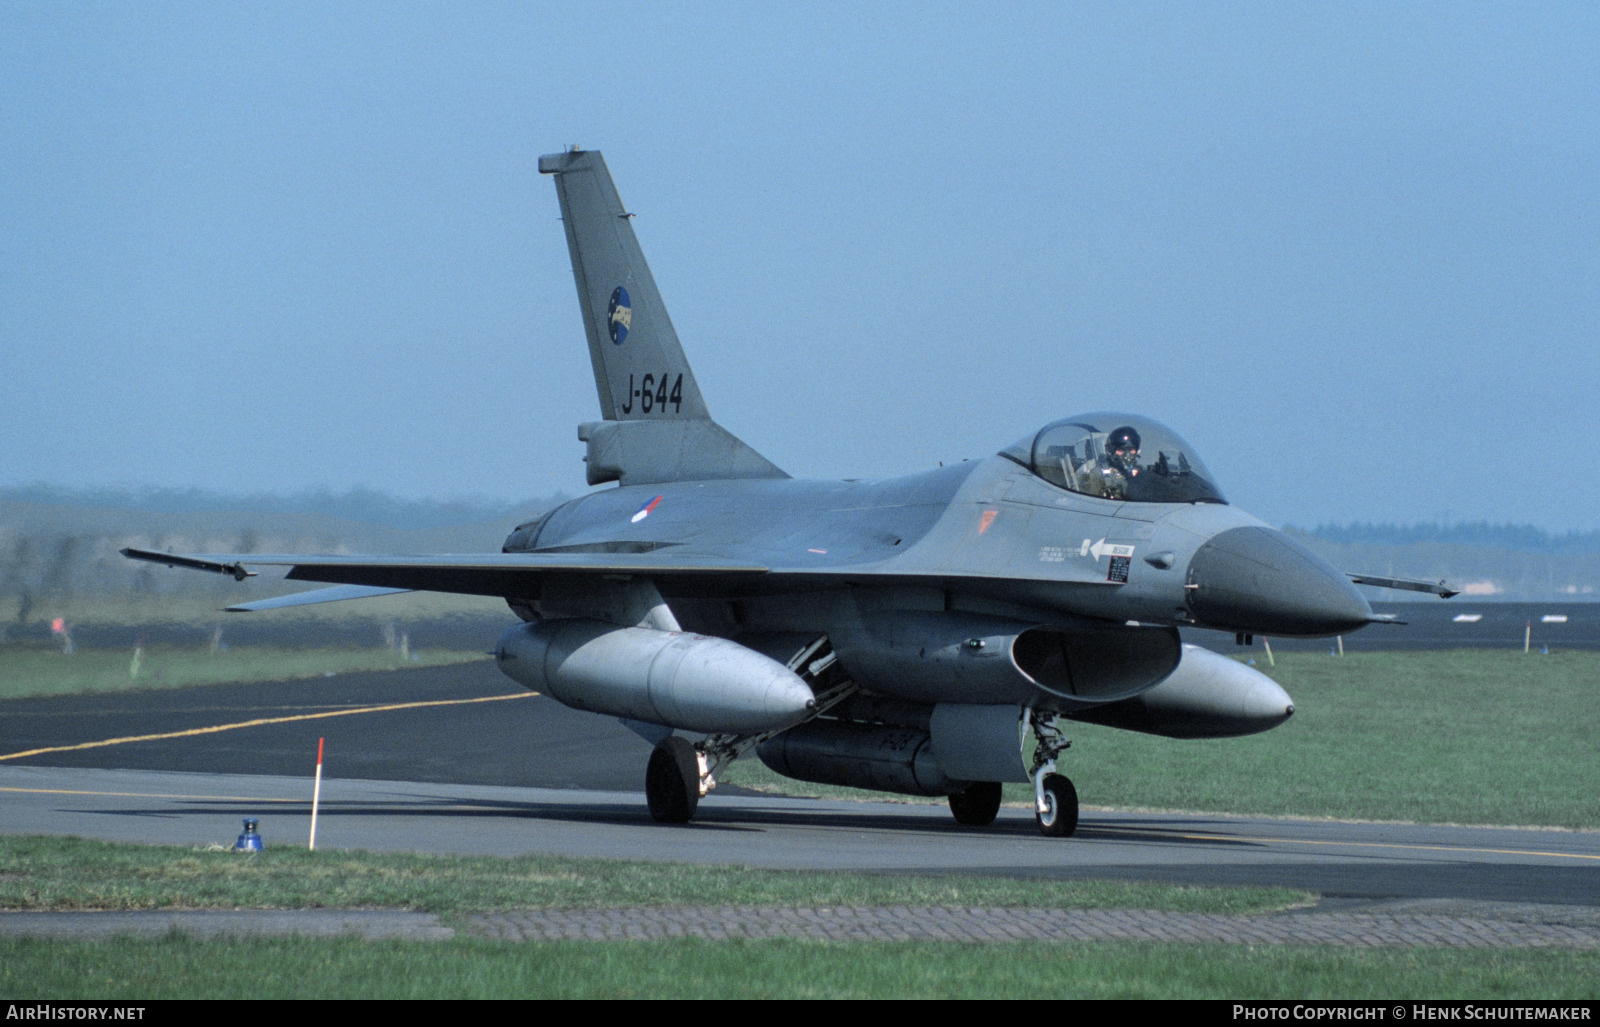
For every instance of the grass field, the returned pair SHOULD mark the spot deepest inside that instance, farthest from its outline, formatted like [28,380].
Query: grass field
[1465,736]
[180,967]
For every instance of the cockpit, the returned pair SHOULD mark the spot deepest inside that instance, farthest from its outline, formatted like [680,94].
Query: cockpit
[1117,456]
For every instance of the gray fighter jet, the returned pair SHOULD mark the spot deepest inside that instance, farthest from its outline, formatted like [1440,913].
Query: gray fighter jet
[934,634]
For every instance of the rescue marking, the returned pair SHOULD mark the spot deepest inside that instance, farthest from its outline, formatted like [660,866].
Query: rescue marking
[258,722]
[1099,549]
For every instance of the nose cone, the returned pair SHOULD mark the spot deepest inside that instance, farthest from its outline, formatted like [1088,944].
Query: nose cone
[1261,581]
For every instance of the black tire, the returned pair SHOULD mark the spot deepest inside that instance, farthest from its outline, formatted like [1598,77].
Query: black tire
[672,781]
[1060,817]
[978,805]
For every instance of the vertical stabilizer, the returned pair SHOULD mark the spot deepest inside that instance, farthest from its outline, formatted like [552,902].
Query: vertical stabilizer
[639,367]
[656,426]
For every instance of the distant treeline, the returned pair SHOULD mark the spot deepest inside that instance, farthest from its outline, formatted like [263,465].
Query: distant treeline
[366,506]
[1522,538]
[58,544]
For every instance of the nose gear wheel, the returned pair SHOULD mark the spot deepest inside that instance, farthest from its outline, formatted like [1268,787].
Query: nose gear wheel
[1058,810]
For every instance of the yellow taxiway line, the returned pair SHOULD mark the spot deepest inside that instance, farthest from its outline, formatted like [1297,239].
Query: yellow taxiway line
[259,722]
[150,795]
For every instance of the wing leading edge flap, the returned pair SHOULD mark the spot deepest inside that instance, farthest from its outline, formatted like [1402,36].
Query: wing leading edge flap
[493,574]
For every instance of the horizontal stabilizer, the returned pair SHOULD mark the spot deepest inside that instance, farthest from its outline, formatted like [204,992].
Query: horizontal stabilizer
[317,595]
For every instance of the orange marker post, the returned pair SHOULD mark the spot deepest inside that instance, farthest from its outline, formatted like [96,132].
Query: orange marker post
[316,796]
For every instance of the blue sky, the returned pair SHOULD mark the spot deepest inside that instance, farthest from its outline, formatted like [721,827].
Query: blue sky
[1351,252]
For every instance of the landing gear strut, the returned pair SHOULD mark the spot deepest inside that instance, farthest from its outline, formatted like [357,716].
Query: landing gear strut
[978,805]
[1055,799]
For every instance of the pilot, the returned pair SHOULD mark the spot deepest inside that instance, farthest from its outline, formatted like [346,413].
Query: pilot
[1120,473]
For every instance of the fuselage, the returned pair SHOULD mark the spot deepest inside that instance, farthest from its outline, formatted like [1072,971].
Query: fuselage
[984,535]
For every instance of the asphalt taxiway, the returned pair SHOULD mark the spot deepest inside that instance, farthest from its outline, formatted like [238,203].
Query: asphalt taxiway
[1357,863]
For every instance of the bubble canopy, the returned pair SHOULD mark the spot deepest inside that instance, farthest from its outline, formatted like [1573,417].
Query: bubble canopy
[1117,456]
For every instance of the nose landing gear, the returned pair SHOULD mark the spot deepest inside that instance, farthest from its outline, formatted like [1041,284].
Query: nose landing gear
[1055,799]
[1057,810]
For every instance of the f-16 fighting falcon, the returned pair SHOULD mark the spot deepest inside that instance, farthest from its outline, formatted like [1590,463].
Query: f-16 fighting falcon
[935,634]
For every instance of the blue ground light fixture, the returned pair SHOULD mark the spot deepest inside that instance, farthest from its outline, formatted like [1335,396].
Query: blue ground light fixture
[249,841]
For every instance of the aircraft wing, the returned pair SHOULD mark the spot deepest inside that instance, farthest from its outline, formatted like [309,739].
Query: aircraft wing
[511,575]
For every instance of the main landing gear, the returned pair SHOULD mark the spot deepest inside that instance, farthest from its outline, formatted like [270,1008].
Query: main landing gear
[1055,799]
[672,781]
[978,805]
[681,772]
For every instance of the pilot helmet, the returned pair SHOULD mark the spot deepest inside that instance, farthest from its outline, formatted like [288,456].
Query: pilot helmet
[1123,443]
